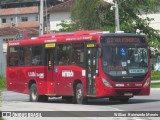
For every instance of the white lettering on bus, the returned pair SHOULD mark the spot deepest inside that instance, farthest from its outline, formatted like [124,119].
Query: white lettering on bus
[34,74]
[78,38]
[67,73]
[31,74]
[48,41]
[40,75]
[12,44]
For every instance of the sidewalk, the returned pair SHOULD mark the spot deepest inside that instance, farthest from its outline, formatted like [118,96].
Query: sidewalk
[155,81]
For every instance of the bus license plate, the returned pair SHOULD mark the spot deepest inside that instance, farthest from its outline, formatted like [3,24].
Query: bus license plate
[128,94]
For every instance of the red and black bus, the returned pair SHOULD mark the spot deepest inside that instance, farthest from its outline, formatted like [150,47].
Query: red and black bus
[80,65]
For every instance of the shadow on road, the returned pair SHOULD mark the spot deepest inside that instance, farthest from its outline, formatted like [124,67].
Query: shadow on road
[8,96]
[105,101]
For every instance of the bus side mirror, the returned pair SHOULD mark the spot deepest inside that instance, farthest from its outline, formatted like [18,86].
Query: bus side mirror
[99,52]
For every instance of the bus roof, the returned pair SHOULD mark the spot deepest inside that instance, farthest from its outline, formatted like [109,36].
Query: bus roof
[64,37]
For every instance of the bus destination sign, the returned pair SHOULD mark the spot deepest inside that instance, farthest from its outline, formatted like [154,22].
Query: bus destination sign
[122,40]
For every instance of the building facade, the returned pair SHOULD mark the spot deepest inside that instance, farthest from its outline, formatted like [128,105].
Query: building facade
[155,23]
[58,13]
[19,17]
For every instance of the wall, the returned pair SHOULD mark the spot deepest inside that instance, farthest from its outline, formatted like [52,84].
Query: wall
[2,60]
[156,22]
[56,18]
[17,18]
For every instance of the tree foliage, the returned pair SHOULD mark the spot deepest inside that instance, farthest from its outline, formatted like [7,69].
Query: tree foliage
[96,14]
[84,14]
[130,12]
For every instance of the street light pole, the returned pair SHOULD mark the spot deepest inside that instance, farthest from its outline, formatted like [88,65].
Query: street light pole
[115,5]
[117,16]
[41,27]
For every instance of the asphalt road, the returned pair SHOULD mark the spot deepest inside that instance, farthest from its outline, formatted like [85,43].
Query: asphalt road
[12,101]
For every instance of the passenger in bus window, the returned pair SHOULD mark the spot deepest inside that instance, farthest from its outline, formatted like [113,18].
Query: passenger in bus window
[36,60]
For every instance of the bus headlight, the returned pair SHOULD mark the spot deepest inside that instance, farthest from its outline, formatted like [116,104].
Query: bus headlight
[106,83]
[147,82]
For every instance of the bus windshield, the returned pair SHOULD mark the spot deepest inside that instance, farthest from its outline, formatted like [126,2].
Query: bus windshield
[125,60]
[124,55]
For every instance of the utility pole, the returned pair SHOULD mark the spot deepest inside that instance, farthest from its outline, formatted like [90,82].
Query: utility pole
[41,25]
[115,5]
[117,16]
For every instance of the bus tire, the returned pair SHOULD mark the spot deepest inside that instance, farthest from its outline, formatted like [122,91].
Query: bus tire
[80,98]
[34,97]
[33,93]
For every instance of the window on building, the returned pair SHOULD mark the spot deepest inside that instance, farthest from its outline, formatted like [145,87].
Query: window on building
[37,18]
[11,19]
[23,19]
[6,40]
[3,20]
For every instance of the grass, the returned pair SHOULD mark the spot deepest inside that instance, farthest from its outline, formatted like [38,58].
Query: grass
[155,75]
[155,85]
[2,83]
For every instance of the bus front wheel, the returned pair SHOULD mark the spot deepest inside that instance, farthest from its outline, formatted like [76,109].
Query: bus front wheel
[81,99]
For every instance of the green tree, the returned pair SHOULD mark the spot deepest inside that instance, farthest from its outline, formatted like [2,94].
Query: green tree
[96,14]
[130,12]
[84,14]
[67,26]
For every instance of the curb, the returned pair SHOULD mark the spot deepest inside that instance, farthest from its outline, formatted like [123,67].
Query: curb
[155,88]
[155,81]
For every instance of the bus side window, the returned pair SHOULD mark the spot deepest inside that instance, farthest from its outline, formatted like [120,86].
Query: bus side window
[28,55]
[13,56]
[21,56]
[64,53]
[78,54]
[37,55]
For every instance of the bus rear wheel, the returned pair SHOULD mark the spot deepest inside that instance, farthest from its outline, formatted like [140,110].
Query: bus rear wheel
[33,95]
[81,99]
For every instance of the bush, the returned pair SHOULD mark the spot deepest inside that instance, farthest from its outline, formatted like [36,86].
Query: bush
[155,75]
[2,83]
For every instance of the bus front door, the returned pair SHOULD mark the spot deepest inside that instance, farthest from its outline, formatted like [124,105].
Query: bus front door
[50,55]
[91,56]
